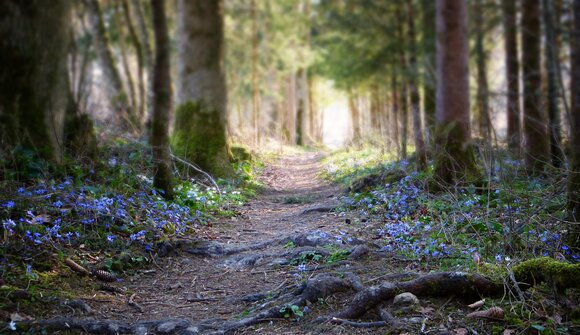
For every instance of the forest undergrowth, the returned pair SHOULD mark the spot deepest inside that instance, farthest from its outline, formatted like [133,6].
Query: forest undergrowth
[104,215]
[108,222]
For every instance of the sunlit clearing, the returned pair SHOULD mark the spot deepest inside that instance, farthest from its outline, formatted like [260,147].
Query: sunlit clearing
[336,124]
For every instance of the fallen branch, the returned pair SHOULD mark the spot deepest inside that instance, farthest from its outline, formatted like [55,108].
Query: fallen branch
[195,168]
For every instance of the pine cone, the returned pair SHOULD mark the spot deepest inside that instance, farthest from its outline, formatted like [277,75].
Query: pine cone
[492,313]
[76,267]
[104,276]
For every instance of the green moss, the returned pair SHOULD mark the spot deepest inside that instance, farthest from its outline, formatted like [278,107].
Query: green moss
[494,272]
[563,275]
[455,159]
[200,137]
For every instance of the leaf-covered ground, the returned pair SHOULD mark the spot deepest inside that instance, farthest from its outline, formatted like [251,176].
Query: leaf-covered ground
[219,262]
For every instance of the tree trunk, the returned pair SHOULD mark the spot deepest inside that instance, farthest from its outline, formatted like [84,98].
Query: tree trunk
[147,56]
[512,74]
[429,54]
[395,109]
[354,117]
[34,42]
[200,122]
[420,150]
[114,85]
[455,160]
[255,87]
[289,122]
[404,117]
[302,105]
[140,101]
[574,176]
[552,99]
[161,102]
[483,118]
[535,132]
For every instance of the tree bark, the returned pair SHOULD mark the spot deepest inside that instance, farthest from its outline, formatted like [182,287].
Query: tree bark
[34,42]
[455,160]
[429,54]
[255,87]
[552,98]
[200,123]
[161,102]
[574,176]
[114,85]
[512,74]
[395,110]
[535,132]
[354,117]
[140,101]
[147,56]
[483,117]
[404,116]
[420,150]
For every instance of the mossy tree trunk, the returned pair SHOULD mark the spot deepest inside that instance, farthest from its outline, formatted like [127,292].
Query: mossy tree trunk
[535,131]
[114,84]
[34,42]
[574,176]
[200,123]
[161,102]
[420,151]
[455,160]
[512,74]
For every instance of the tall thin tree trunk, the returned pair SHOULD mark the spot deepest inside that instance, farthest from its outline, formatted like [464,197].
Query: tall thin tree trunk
[355,118]
[302,105]
[483,117]
[574,176]
[512,74]
[429,53]
[455,160]
[420,150]
[535,132]
[140,101]
[161,102]
[255,88]
[114,85]
[147,56]
[200,121]
[404,117]
[552,99]
[395,110]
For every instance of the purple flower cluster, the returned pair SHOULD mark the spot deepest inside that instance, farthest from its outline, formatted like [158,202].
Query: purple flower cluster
[55,213]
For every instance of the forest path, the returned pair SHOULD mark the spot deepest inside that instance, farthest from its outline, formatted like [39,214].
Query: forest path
[197,287]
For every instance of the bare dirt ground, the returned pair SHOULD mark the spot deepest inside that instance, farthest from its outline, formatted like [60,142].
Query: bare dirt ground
[198,288]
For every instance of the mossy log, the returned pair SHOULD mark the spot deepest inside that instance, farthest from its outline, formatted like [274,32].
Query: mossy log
[546,269]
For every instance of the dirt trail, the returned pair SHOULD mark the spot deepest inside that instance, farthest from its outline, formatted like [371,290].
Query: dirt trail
[237,277]
[198,288]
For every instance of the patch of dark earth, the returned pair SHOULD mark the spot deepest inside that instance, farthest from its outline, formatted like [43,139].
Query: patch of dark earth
[290,263]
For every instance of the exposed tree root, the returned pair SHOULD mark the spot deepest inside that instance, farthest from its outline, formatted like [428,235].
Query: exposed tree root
[434,284]
[213,249]
[274,304]
[319,209]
